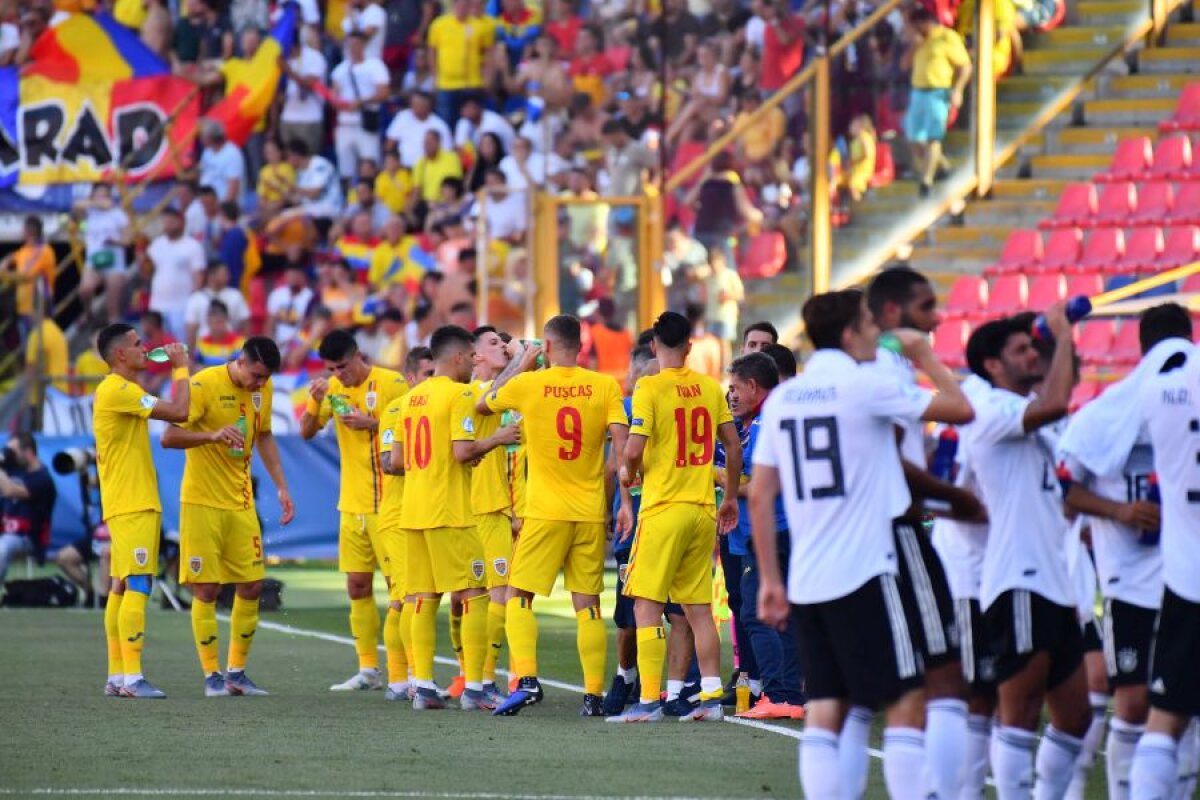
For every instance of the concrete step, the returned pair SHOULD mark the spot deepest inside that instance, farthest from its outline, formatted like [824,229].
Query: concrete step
[1108,12]
[962,260]
[1135,86]
[1064,61]
[1069,166]
[1187,33]
[1011,213]
[970,236]
[1039,88]
[1036,188]
[1079,36]
[1170,59]
[1147,111]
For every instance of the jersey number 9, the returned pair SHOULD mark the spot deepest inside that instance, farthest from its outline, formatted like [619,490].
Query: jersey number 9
[570,430]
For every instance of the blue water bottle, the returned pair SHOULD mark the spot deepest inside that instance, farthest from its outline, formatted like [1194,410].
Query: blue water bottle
[942,464]
[1077,308]
[1153,495]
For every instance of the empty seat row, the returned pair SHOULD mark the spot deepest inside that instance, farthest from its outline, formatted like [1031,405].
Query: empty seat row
[1124,203]
[974,298]
[1108,250]
[1187,111]
[1137,159]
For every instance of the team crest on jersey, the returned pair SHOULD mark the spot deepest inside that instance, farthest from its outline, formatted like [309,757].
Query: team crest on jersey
[372,399]
[1127,659]
[477,569]
[501,566]
[256,400]
[195,564]
[141,556]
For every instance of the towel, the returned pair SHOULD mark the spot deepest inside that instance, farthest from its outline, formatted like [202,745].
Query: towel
[1102,433]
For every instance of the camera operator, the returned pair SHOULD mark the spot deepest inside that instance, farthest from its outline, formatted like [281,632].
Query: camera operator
[28,496]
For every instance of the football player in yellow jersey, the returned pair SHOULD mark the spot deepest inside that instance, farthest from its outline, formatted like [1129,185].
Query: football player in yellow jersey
[435,441]
[129,494]
[356,394]
[568,412]
[678,416]
[397,625]
[220,540]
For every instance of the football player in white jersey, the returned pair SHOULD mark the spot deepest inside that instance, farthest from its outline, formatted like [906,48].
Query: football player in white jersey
[1170,402]
[903,298]
[828,446]
[1027,595]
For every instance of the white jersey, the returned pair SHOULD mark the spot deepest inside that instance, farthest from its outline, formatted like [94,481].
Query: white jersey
[1026,527]
[1129,570]
[961,545]
[912,446]
[1082,572]
[829,432]
[1171,404]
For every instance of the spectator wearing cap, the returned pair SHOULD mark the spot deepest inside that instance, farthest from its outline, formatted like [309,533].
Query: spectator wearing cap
[407,130]
[221,164]
[459,43]
[360,84]
[369,20]
[941,68]
[302,113]
[435,166]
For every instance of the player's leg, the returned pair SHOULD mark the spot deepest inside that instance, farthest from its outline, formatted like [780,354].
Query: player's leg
[1189,761]
[1096,677]
[774,651]
[681,655]
[455,622]
[743,654]
[979,673]
[135,540]
[821,774]
[420,577]
[459,567]
[112,635]
[242,564]
[357,558]
[495,532]
[621,689]
[691,586]
[1128,639]
[393,543]
[583,568]
[407,613]
[201,531]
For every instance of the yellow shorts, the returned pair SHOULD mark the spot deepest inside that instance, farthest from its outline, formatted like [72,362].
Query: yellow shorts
[359,549]
[495,533]
[395,545]
[440,560]
[547,546]
[219,545]
[135,538]
[672,555]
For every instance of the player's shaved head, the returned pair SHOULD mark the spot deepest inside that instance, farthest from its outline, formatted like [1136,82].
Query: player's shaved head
[338,345]
[672,331]
[448,341]
[412,362]
[564,330]
[111,337]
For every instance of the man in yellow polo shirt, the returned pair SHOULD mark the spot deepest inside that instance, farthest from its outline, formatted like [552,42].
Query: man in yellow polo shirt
[129,495]
[434,167]
[356,395]
[941,68]
[459,43]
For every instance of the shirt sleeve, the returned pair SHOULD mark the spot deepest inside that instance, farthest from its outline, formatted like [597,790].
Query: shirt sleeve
[724,415]
[616,408]
[642,421]
[462,417]
[891,397]
[508,397]
[197,404]
[129,399]
[1000,417]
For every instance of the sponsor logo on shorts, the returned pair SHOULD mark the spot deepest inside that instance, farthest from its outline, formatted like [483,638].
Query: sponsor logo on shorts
[141,556]
[372,400]
[501,566]
[256,400]
[195,564]
[477,569]
[1127,659]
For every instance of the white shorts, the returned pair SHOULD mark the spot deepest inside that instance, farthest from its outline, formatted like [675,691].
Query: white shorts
[354,145]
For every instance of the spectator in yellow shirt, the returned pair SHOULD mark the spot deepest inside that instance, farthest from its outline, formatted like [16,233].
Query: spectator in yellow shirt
[391,261]
[46,357]
[434,167]
[393,184]
[276,180]
[459,43]
[89,370]
[758,142]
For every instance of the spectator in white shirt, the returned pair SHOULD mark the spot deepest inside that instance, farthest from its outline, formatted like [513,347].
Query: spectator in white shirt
[476,121]
[370,20]
[221,164]
[105,239]
[216,287]
[303,113]
[318,191]
[408,128]
[360,84]
[506,213]
[178,265]
[287,304]
[202,221]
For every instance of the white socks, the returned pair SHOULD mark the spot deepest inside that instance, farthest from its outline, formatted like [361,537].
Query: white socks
[1155,768]
[1091,743]
[1012,762]
[853,761]
[946,745]
[1122,741]
[1056,759]
[1189,761]
[904,763]
[979,734]
[673,689]
[819,764]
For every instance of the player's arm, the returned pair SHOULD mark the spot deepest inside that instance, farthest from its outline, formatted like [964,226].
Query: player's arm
[1053,401]
[772,598]
[963,504]
[12,488]
[1138,514]
[268,451]
[177,438]
[522,361]
[632,453]
[949,405]
[468,451]
[175,409]
[727,514]
[312,420]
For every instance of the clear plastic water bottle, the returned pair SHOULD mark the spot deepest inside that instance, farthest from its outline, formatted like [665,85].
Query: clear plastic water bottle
[159,355]
[240,452]
[339,405]
[1153,495]
[1078,307]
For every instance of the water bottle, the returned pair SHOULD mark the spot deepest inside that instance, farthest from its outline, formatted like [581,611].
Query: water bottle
[159,355]
[1153,495]
[510,418]
[339,405]
[942,464]
[240,452]
[1078,307]
[741,691]
[541,359]
[1065,478]
[890,342]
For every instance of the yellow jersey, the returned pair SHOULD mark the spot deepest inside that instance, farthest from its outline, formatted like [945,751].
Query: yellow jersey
[393,485]
[937,57]
[392,189]
[460,46]
[489,478]
[678,411]
[128,482]
[362,474]
[212,475]
[437,488]
[566,413]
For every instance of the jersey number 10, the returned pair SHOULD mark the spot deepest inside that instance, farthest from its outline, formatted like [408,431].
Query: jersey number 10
[418,444]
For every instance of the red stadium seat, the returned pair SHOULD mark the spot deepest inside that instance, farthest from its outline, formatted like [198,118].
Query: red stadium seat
[1155,201]
[1172,159]
[1181,247]
[1126,348]
[1046,290]
[1076,205]
[764,256]
[1104,250]
[1191,284]
[1083,393]
[1062,251]
[1095,340]
[1007,295]
[1186,209]
[1133,157]
[1117,204]
[967,296]
[1187,111]
[1086,285]
[1142,248]
[1022,250]
[949,342]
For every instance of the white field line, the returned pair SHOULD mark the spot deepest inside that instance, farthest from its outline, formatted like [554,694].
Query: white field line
[319,793]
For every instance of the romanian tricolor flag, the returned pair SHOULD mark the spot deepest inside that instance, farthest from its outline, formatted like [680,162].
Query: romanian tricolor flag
[85,49]
[248,99]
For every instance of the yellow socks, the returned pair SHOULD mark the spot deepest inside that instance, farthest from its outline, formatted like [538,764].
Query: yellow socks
[364,627]
[652,654]
[424,640]
[204,632]
[456,623]
[243,623]
[131,621]
[475,639]
[592,640]
[497,613]
[397,659]
[521,627]
[112,633]
[406,625]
